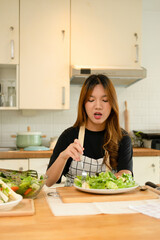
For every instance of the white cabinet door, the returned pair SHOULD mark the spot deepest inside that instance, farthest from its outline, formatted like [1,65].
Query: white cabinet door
[106,32]
[9,31]
[39,164]
[146,169]
[14,164]
[44,54]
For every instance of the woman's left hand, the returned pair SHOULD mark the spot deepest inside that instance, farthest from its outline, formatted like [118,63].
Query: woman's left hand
[119,174]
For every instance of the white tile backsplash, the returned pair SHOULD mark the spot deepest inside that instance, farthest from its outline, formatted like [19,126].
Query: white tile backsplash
[143,98]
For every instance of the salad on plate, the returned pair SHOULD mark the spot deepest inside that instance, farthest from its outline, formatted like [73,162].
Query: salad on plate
[105,180]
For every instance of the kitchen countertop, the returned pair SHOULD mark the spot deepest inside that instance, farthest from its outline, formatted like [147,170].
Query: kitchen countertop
[137,152]
[25,154]
[44,225]
[140,152]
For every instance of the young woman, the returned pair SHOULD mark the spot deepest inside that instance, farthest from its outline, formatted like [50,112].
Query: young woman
[106,146]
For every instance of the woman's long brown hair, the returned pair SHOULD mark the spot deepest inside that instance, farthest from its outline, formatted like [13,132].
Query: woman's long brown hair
[113,133]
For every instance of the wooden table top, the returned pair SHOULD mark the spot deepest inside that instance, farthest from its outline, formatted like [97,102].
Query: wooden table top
[45,226]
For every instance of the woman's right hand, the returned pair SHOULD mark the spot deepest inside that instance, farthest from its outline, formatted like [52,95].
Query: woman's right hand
[74,150]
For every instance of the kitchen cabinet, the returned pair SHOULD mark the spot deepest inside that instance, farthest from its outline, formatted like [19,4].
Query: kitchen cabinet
[146,169]
[14,164]
[106,33]
[44,54]
[8,86]
[40,165]
[9,53]
[9,29]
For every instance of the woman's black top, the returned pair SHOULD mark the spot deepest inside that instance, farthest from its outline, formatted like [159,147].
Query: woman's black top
[93,143]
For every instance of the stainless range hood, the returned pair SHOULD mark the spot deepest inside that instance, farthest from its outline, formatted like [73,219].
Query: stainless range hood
[119,76]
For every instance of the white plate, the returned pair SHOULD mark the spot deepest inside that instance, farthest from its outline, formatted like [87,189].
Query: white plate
[36,148]
[9,205]
[106,191]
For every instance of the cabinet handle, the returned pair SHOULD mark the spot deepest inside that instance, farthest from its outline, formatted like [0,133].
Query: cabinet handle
[153,167]
[137,53]
[12,49]
[63,34]
[63,95]
[11,28]
[136,36]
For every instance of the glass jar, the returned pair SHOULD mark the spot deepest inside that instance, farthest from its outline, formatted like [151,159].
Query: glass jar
[11,96]
[2,96]
[2,100]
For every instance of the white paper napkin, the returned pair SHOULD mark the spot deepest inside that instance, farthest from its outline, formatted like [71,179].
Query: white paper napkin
[121,207]
[74,209]
[59,208]
[150,208]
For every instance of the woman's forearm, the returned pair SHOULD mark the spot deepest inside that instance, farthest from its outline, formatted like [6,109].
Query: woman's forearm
[74,150]
[55,171]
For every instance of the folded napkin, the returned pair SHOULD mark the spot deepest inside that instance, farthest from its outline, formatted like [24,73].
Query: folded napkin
[59,208]
[74,209]
[150,208]
[67,209]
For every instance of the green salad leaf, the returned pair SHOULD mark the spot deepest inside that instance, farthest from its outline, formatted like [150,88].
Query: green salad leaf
[24,185]
[106,180]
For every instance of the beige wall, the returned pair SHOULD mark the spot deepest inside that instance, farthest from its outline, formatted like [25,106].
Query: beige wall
[143,97]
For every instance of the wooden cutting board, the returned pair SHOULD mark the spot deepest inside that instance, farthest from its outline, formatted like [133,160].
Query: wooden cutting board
[24,208]
[72,195]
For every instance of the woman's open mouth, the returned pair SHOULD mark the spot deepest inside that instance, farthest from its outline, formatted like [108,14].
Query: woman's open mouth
[97,115]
